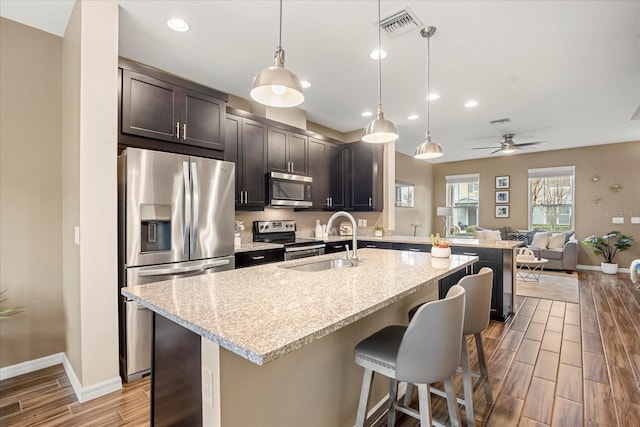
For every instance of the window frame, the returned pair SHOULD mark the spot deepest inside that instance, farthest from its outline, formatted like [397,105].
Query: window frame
[552,172]
[473,178]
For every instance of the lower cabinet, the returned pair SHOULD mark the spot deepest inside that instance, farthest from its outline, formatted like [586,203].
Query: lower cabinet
[412,247]
[266,256]
[335,247]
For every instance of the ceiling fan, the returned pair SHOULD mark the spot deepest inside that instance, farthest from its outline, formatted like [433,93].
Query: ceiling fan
[507,146]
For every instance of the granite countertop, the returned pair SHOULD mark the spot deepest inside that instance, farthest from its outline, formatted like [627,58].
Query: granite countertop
[501,244]
[265,312]
[257,246]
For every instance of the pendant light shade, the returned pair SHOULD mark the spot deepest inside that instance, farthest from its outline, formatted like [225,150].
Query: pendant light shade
[276,86]
[380,130]
[428,149]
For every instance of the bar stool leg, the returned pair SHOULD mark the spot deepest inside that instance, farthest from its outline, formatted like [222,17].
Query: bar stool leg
[424,400]
[468,384]
[483,369]
[408,395]
[452,403]
[393,391]
[364,397]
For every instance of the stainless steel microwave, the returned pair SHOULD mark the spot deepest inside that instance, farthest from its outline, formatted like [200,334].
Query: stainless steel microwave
[285,190]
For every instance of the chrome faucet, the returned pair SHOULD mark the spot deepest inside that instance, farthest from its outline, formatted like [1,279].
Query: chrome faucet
[354,242]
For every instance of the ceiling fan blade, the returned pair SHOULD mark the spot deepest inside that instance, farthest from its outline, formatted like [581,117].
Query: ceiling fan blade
[484,148]
[497,151]
[524,144]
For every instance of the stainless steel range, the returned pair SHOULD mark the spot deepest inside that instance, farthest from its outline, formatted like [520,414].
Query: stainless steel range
[284,232]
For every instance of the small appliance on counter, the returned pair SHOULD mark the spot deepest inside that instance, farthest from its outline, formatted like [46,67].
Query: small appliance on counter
[284,232]
[346,229]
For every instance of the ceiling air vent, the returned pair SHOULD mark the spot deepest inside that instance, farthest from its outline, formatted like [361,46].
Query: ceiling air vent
[400,22]
[499,121]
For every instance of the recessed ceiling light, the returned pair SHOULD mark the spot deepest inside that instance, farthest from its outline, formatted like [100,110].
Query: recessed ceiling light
[305,84]
[433,97]
[413,117]
[367,114]
[472,103]
[381,53]
[177,24]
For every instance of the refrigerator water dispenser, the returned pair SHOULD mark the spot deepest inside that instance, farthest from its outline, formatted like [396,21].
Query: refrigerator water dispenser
[155,228]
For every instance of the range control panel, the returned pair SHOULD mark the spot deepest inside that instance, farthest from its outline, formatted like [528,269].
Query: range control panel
[263,227]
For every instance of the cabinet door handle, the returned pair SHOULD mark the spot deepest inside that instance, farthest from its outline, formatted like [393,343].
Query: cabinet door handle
[255,258]
[414,250]
[184,131]
[326,202]
[371,246]
[370,201]
[331,202]
[338,247]
[469,253]
[244,197]
[178,130]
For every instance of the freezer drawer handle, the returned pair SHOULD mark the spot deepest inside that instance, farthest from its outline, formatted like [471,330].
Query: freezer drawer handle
[178,270]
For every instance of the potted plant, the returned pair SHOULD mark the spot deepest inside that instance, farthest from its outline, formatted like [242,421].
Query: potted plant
[439,247]
[608,246]
[378,231]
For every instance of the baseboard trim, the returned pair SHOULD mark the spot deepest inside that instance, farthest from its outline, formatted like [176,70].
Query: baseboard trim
[597,268]
[82,393]
[85,394]
[31,366]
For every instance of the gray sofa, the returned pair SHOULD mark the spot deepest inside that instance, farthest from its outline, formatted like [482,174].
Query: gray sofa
[565,258]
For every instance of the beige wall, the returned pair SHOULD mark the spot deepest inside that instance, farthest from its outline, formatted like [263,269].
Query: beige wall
[30,192]
[613,163]
[419,173]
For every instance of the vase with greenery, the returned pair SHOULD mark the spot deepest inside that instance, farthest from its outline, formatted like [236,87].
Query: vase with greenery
[608,246]
[378,231]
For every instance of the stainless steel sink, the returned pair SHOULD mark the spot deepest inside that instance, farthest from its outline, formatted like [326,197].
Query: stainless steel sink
[326,264]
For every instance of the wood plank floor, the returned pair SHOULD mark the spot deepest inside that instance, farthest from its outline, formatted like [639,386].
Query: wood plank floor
[553,364]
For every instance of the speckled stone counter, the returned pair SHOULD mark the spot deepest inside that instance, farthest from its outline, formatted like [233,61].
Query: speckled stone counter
[257,246]
[265,312]
[500,244]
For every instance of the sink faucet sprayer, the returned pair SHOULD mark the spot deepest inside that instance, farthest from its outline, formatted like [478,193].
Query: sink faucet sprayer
[354,242]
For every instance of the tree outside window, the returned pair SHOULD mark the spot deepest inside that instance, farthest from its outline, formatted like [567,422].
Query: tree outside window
[551,199]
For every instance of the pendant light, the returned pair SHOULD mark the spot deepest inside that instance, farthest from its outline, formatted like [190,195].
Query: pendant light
[428,149]
[276,86]
[380,130]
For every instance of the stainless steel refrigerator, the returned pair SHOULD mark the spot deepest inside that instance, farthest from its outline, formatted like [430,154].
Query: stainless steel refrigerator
[176,219]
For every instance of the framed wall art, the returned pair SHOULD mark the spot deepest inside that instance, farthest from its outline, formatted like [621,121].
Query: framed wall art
[502,211]
[502,181]
[502,196]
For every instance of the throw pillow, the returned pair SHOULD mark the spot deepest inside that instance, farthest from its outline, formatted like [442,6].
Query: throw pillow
[556,241]
[540,240]
[477,234]
[529,237]
[568,235]
[491,235]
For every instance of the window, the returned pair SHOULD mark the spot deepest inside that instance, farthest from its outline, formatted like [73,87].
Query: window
[463,194]
[551,198]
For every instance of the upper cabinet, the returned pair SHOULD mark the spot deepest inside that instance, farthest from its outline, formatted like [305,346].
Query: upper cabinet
[365,176]
[327,168]
[287,151]
[162,107]
[245,146]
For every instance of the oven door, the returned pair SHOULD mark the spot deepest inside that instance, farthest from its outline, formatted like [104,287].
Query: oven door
[303,252]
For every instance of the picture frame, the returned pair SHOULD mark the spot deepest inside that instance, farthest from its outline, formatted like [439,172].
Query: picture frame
[502,181]
[502,211]
[502,196]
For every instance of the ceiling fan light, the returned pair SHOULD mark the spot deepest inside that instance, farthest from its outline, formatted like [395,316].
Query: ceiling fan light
[428,150]
[508,150]
[380,130]
[276,86]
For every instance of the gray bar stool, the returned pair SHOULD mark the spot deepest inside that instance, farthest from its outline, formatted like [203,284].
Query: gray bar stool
[476,319]
[400,352]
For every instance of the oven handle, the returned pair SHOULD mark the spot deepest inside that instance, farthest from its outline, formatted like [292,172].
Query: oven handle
[305,248]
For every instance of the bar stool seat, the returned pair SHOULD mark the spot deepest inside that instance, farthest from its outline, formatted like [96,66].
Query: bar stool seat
[399,353]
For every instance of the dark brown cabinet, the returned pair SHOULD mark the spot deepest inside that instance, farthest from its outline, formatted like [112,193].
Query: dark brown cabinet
[161,109]
[265,256]
[335,247]
[245,146]
[327,168]
[287,151]
[365,176]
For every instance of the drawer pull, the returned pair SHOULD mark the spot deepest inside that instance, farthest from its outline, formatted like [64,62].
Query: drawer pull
[257,257]
[470,253]
[371,246]
[338,247]
[414,250]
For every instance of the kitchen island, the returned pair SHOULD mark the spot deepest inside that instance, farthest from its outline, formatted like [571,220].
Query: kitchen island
[269,345]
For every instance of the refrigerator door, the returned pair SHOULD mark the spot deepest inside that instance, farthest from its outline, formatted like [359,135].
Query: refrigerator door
[212,207]
[157,207]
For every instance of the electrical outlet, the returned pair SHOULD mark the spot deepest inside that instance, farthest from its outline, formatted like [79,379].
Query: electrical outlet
[359,222]
[364,222]
[617,220]
[207,386]
[635,220]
